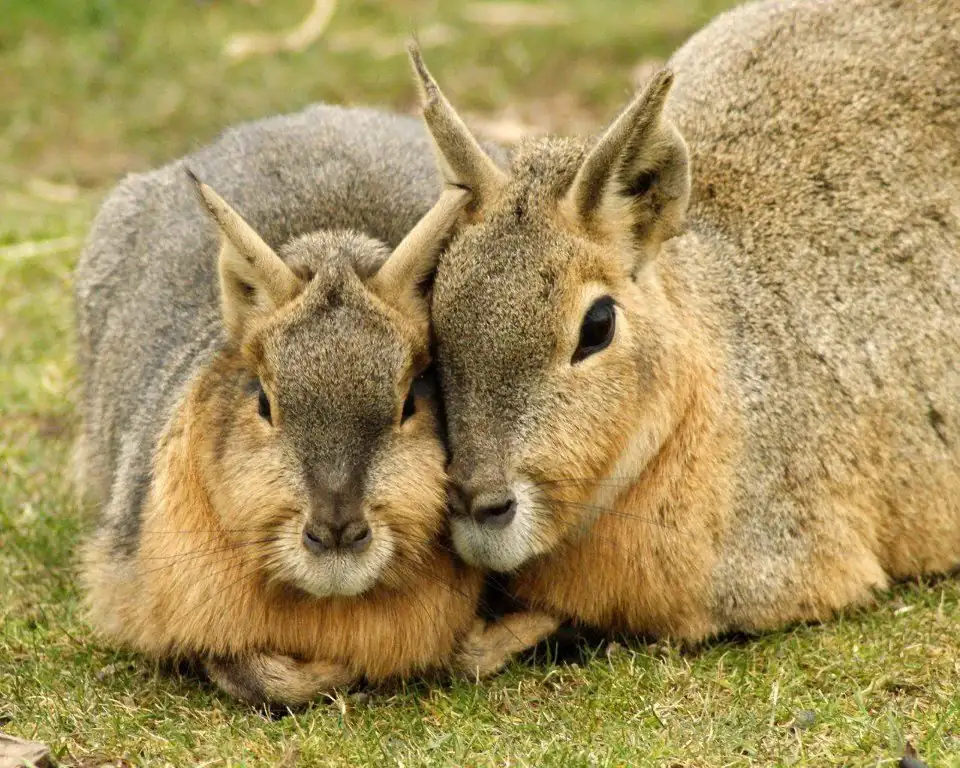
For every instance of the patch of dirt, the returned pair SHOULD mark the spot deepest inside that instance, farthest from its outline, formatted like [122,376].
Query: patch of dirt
[511,15]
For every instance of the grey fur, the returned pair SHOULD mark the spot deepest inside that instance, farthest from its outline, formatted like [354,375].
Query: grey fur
[828,209]
[146,285]
[821,270]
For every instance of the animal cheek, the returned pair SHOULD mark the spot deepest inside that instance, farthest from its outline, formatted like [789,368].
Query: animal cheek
[407,480]
[578,440]
[254,480]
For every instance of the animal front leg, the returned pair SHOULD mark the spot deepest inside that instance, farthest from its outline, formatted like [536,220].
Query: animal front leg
[489,646]
[264,678]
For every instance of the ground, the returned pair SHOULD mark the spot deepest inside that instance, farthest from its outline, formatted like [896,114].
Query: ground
[93,88]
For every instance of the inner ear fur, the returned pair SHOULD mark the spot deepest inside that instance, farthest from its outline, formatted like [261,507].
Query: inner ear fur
[254,281]
[635,181]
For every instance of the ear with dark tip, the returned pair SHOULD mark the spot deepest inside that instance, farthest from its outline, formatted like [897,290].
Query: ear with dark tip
[254,281]
[461,159]
[412,261]
[636,178]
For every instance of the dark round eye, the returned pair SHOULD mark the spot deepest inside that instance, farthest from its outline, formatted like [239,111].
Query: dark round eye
[263,404]
[410,404]
[599,325]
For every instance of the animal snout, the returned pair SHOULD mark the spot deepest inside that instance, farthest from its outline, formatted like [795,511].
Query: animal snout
[483,494]
[494,509]
[351,536]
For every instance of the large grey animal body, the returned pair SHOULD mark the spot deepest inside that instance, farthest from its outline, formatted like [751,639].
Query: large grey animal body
[774,423]
[146,284]
[827,204]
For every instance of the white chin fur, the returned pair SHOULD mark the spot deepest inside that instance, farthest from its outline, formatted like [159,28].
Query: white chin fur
[499,549]
[338,574]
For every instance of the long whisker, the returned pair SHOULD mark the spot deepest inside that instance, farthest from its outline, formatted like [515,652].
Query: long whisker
[254,571]
[449,549]
[425,574]
[196,608]
[430,608]
[609,482]
[602,510]
[207,571]
[215,547]
[185,531]
[199,558]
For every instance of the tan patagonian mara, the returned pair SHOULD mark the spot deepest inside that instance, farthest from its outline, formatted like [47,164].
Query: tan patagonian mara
[702,373]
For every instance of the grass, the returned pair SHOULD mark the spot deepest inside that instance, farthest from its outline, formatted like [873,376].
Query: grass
[92,89]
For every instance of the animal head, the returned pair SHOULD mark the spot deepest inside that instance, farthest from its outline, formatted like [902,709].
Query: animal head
[554,328]
[325,454]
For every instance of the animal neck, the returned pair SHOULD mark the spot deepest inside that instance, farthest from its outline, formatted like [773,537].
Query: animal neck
[684,394]
[644,564]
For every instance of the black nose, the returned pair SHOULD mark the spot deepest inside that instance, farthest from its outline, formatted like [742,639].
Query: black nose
[495,511]
[356,536]
[353,536]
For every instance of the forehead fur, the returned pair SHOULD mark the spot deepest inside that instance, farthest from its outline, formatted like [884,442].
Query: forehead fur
[503,281]
[333,358]
[545,167]
[525,213]
[328,257]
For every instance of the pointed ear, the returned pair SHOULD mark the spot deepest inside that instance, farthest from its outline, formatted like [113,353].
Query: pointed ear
[636,179]
[254,281]
[461,159]
[412,261]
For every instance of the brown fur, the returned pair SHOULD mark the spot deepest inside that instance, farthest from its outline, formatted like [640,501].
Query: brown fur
[771,434]
[296,422]
[200,587]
